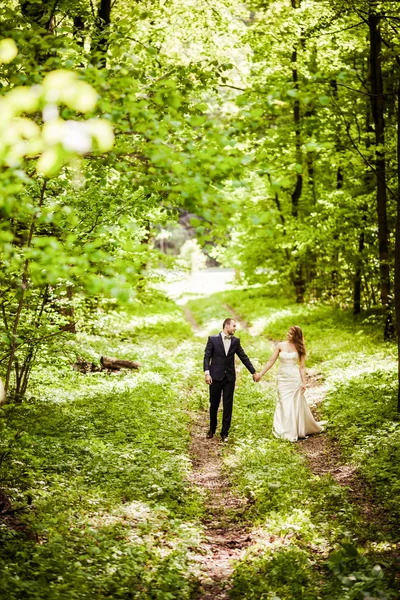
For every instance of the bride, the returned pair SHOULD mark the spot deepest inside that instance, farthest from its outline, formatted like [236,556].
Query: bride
[293,418]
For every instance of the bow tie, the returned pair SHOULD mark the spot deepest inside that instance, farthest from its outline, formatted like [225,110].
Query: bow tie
[227,337]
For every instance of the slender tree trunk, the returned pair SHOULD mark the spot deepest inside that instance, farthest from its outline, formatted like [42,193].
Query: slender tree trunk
[299,283]
[377,105]
[369,186]
[24,286]
[26,368]
[298,276]
[296,194]
[335,274]
[397,250]
[69,312]
[339,186]
[311,176]
[283,221]
[101,41]
[79,29]
[357,282]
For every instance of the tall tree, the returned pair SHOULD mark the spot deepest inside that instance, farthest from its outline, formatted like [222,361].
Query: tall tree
[378,107]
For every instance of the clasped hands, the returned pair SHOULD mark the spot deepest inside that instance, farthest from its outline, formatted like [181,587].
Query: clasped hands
[256,378]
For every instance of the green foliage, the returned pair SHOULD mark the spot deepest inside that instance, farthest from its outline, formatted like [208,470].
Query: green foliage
[102,459]
[304,212]
[357,578]
[77,227]
[362,415]
[313,541]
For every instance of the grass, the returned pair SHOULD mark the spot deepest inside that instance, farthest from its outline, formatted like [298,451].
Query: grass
[102,460]
[315,543]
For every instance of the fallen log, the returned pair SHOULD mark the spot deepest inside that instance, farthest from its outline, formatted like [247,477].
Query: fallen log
[115,363]
[84,366]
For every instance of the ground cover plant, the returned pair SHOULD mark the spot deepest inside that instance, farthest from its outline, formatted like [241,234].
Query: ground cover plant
[316,543]
[101,460]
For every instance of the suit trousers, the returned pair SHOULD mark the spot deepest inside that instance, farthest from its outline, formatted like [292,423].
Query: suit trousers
[226,389]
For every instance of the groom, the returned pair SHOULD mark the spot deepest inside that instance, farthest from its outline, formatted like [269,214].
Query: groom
[220,375]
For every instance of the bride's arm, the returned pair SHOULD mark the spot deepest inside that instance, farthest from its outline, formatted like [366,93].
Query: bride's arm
[271,361]
[302,367]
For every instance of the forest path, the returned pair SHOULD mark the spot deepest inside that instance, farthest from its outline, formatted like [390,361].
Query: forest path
[228,528]
[322,453]
[227,532]
[324,457]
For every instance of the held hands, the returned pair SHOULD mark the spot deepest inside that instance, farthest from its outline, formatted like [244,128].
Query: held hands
[256,378]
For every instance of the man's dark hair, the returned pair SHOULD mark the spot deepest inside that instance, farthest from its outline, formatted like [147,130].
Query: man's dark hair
[227,322]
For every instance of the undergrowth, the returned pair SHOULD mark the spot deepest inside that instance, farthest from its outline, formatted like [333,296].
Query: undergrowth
[314,542]
[98,463]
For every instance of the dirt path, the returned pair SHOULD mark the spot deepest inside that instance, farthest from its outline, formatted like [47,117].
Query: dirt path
[227,534]
[191,320]
[241,322]
[324,457]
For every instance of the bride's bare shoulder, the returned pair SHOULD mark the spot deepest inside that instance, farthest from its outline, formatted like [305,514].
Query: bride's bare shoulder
[280,346]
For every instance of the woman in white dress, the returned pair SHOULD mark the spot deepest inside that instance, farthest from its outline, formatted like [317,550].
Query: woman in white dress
[293,418]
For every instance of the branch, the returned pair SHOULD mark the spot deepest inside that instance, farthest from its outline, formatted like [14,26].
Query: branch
[363,93]
[3,310]
[337,31]
[145,47]
[365,159]
[34,342]
[53,10]
[234,87]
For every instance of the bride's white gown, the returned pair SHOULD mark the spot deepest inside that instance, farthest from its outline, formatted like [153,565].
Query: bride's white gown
[293,418]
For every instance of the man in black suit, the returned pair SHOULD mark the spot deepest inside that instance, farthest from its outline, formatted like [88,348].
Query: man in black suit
[220,374]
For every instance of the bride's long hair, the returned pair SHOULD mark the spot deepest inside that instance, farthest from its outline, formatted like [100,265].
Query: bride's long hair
[298,339]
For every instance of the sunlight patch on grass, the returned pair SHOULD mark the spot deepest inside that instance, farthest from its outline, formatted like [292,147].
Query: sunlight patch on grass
[361,366]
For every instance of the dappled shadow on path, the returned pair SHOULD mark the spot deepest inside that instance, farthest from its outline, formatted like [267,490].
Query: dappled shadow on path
[324,457]
[227,534]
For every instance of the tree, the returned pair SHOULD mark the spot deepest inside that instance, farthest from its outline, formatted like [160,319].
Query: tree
[76,228]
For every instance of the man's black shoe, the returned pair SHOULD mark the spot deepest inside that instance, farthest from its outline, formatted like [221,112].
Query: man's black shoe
[209,435]
[224,438]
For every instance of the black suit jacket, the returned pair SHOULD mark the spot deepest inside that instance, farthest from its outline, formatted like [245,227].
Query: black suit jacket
[220,364]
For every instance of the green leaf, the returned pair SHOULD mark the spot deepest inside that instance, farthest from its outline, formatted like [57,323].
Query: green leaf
[8,50]
[50,162]
[324,100]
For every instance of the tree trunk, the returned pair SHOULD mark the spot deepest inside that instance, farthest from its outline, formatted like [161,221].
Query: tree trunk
[357,282]
[24,286]
[377,105]
[100,43]
[397,251]
[283,221]
[311,176]
[69,312]
[298,276]
[299,283]
[296,118]
[116,363]
[79,29]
